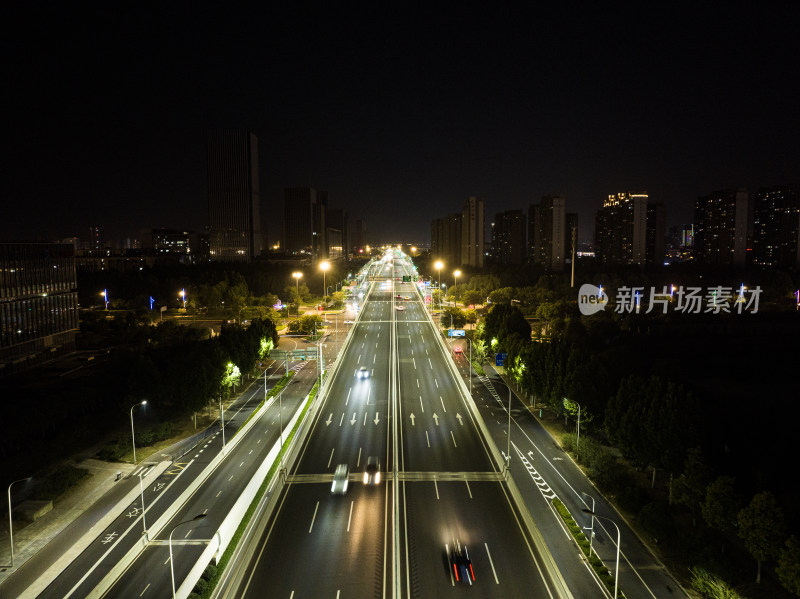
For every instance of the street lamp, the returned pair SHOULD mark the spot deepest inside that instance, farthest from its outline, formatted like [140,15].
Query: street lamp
[297,276]
[616,570]
[104,293]
[171,566]
[182,294]
[439,266]
[456,274]
[141,403]
[591,530]
[324,266]
[10,522]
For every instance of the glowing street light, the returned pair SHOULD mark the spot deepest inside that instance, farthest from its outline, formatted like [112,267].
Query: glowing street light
[182,295]
[439,265]
[104,293]
[324,267]
[141,403]
[297,276]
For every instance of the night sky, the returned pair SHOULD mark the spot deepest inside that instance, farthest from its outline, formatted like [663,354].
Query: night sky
[399,111]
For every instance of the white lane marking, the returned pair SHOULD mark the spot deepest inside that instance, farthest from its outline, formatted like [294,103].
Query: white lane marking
[292,595]
[348,395]
[358,463]
[431,363]
[375,357]
[219,493]
[415,362]
[205,511]
[314,517]
[454,439]
[350,517]
[442,400]
[491,563]
[365,419]
[251,451]
[145,589]
[437,383]
[359,359]
[420,404]
[369,392]
[428,438]
[259,441]
[188,533]
[341,419]
[166,561]
[242,464]
[229,480]
[417,383]
[331,458]
[435,486]
[468,489]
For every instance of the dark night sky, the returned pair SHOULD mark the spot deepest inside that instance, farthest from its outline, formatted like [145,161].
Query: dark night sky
[399,113]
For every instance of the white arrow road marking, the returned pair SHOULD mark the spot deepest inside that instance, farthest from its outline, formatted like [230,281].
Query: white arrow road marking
[436,418]
[376,418]
[412,419]
[328,421]
[353,421]
[460,421]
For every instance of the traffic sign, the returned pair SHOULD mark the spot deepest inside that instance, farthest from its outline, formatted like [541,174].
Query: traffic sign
[456,333]
[499,359]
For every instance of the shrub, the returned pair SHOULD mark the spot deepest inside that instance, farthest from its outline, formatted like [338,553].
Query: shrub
[710,586]
[57,483]
[210,572]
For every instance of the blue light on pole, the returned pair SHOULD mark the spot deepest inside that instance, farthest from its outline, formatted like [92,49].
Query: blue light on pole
[152,299]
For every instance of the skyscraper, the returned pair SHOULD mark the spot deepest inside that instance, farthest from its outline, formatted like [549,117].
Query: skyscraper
[446,239]
[233,196]
[776,230]
[629,229]
[305,223]
[721,227]
[472,233]
[550,232]
[508,237]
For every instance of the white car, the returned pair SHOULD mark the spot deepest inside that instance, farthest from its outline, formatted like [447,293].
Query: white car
[362,373]
[400,308]
[340,480]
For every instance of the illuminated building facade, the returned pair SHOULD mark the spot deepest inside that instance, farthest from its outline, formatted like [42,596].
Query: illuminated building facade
[38,304]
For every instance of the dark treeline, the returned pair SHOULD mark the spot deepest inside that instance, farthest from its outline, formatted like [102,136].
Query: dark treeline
[177,369]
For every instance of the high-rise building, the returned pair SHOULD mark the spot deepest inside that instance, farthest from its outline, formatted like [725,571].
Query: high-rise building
[446,239]
[721,222]
[305,223]
[550,232]
[472,233]
[337,234]
[234,214]
[629,229]
[776,230]
[360,238]
[508,237]
[38,303]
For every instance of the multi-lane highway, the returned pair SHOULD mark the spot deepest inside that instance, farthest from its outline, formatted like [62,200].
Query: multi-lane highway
[440,485]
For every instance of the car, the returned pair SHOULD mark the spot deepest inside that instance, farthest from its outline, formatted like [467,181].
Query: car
[398,296]
[372,471]
[340,480]
[459,560]
[400,308]
[362,373]
[349,321]
[458,349]
[406,297]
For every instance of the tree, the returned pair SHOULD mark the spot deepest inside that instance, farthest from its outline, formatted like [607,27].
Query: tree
[721,505]
[762,528]
[788,569]
[691,487]
[470,297]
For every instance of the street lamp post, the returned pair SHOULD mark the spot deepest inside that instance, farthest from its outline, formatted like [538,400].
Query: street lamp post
[10,521]
[144,521]
[591,528]
[616,569]
[104,293]
[324,266]
[171,566]
[133,440]
[222,418]
[182,295]
[297,276]
[439,266]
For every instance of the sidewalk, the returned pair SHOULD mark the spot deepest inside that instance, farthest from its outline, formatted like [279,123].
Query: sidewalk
[99,490]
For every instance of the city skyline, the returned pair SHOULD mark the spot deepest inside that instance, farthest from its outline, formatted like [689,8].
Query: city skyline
[111,121]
